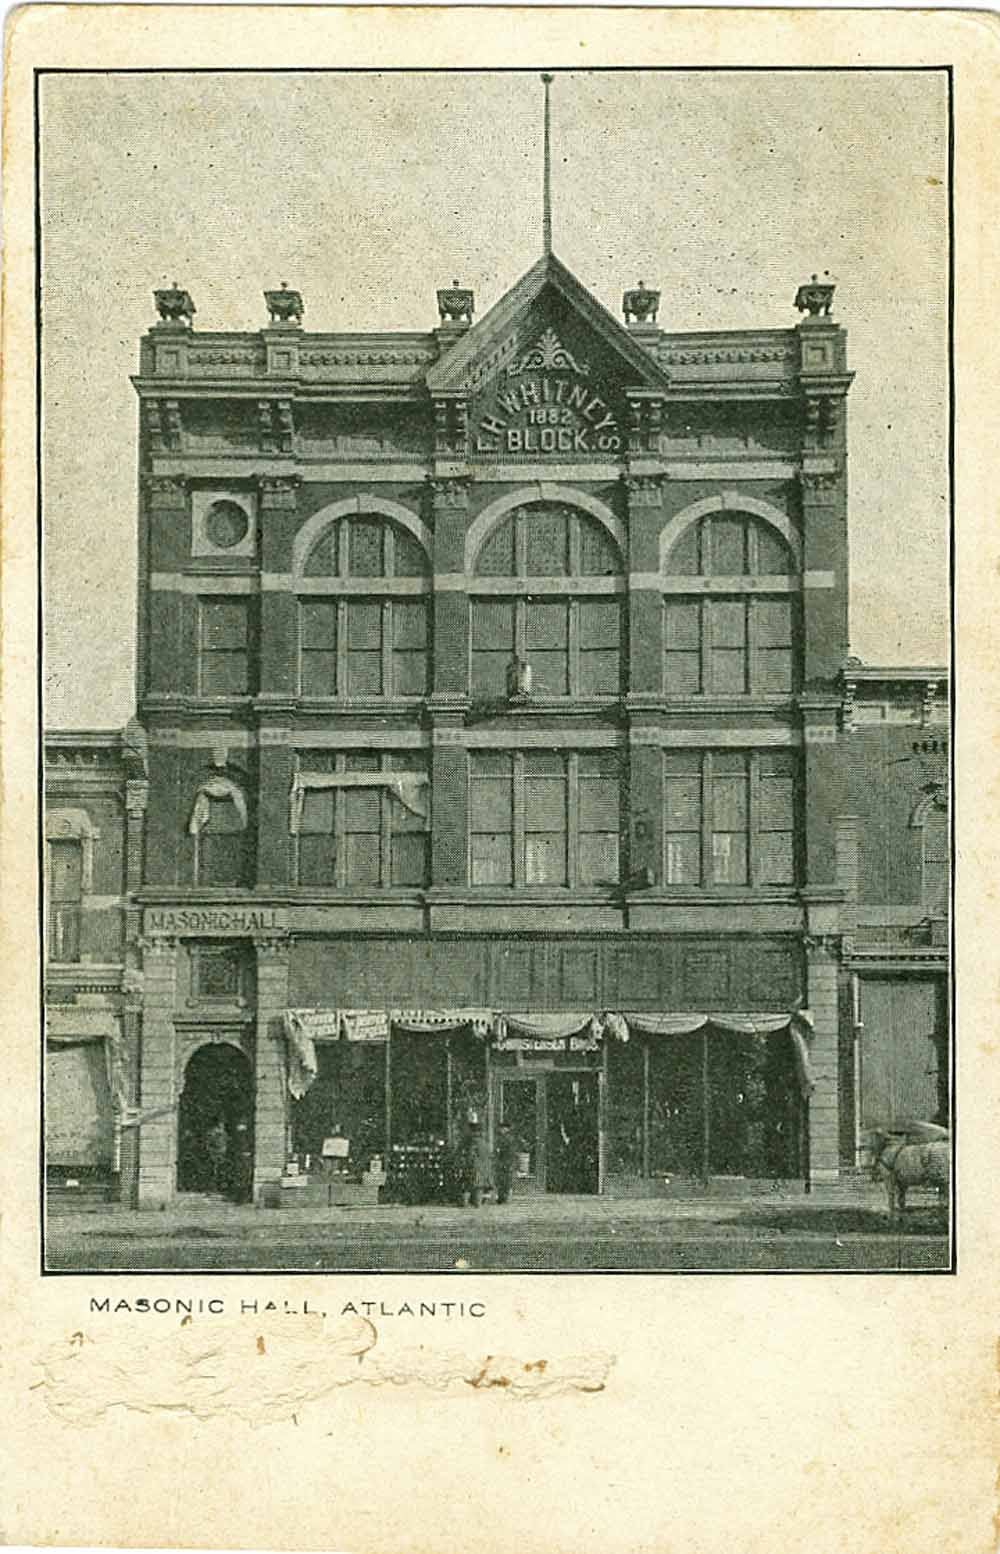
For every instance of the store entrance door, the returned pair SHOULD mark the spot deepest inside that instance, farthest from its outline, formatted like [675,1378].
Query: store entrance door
[572,1133]
[554,1120]
[215,1124]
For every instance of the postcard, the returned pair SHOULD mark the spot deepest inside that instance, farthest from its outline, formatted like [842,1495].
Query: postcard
[499,779]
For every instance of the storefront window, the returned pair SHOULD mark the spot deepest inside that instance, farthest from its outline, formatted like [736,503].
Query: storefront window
[348,1094]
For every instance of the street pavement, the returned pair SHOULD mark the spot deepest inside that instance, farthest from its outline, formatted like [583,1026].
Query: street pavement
[773,1233]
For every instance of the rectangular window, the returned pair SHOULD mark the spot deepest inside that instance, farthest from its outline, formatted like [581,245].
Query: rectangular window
[573,646]
[729,817]
[599,805]
[491,819]
[318,645]
[728,647]
[362,834]
[221,846]
[363,647]
[65,897]
[682,817]
[544,818]
[224,647]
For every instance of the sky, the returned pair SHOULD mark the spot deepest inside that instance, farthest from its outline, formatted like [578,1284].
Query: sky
[367,191]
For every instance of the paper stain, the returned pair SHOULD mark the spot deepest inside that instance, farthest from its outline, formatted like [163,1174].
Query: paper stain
[202,1370]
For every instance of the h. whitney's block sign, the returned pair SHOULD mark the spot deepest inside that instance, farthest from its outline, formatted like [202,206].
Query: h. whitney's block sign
[547,403]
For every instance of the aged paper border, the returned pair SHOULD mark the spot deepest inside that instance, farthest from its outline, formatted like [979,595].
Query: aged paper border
[687,1414]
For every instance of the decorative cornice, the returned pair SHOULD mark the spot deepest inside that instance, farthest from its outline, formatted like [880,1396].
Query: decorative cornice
[411,358]
[727,356]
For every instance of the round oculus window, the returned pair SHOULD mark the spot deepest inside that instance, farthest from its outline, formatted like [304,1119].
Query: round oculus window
[226,524]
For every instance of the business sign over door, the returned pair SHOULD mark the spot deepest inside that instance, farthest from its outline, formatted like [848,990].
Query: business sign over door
[547,404]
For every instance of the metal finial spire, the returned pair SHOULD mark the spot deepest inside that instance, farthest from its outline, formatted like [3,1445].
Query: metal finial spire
[547,174]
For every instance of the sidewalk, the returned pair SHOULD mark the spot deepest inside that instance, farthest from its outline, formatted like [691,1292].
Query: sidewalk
[859,1200]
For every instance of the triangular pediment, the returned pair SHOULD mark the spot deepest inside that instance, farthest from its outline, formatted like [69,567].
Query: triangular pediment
[548,320]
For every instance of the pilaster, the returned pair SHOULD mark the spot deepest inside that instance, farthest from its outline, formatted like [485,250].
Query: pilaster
[447,506]
[157,1150]
[822,947]
[450,787]
[271,1106]
[278,626]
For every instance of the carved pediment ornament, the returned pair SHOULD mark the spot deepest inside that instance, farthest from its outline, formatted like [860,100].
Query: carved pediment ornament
[548,354]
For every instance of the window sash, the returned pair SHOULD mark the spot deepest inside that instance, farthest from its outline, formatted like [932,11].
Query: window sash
[364,647]
[728,819]
[570,645]
[729,646]
[224,647]
[350,838]
[544,820]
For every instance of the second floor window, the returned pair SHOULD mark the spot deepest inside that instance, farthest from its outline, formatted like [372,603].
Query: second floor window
[219,830]
[65,900]
[224,647]
[544,818]
[359,827]
[729,817]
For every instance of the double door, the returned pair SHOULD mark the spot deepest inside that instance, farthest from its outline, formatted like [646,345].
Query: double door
[555,1118]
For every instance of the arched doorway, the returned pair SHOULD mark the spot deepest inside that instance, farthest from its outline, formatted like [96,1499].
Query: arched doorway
[215,1124]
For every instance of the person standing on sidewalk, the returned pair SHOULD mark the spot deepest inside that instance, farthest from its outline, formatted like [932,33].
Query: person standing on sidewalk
[506,1150]
[478,1165]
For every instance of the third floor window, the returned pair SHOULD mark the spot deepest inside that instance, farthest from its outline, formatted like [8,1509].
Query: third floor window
[364,625]
[731,618]
[548,591]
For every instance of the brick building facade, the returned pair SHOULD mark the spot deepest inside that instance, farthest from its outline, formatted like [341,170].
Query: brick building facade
[502,759]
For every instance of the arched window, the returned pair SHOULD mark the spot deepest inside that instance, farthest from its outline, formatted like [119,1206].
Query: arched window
[369,637]
[218,826]
[735,632]
[547,592]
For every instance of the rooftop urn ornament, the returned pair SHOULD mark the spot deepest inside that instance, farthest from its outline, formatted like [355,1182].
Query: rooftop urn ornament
[174,306]
[641,305]
[284,306]
[815,297]
[456,304]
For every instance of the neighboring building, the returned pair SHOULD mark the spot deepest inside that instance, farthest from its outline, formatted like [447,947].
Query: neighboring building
[94,789]
[895,921]
[502,758]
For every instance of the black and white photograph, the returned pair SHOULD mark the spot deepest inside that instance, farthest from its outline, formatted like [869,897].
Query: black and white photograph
[495,533]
